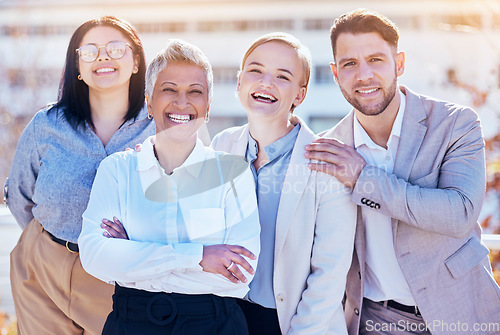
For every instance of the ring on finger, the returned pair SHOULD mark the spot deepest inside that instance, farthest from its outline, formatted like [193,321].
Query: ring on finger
[230,265]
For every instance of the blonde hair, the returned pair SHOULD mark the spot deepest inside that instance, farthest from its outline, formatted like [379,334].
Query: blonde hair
[302,52]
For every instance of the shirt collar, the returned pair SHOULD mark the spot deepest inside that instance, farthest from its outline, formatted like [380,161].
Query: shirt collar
[275,149]
[146,158]
[361,137]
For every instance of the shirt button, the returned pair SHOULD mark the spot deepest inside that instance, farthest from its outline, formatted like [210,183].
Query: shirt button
[157,270]
[280,297]
[387,158]
[271,150]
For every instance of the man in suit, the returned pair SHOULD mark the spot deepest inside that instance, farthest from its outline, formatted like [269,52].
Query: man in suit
[417,172]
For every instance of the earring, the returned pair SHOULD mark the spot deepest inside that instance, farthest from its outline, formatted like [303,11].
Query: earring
[207,118]
[150,116]
[135,70]
[79,77]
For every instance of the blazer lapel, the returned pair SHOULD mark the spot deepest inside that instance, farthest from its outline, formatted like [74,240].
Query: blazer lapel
[412,134]
[297,177]
[241,142]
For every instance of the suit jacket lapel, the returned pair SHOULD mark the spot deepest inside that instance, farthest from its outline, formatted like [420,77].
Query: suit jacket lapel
[296,179]
[412,134]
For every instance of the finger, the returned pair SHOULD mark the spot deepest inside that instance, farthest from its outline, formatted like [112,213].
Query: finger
[236,272]
[329,140]
[116,230]
[239,260]
[109,231]
[238,249]
[337,148]
[335,158]
[119,226]
[229,275]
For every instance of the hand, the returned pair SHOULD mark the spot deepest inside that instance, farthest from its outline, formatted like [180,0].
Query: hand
[224,259]
[114,229]
[337,159]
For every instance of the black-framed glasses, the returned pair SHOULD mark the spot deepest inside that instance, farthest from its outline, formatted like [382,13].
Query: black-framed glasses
[115,50]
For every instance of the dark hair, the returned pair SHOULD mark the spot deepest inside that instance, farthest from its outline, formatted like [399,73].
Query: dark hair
[362,21]
[74,94]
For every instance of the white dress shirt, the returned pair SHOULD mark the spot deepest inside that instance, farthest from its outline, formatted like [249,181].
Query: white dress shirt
[210,199]
[384,279]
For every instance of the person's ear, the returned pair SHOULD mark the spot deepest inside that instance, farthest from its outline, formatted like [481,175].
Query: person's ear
[333,67]
[400,63]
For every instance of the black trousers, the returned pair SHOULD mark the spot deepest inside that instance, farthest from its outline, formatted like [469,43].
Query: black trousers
[260,320]
[138,312]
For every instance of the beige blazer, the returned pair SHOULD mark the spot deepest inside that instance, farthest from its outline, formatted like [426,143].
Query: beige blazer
[315,230]
[434,197]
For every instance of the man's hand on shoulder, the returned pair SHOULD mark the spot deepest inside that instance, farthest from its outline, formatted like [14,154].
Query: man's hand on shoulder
[337,159]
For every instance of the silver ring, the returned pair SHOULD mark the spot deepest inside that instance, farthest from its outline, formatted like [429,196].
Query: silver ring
[230,265]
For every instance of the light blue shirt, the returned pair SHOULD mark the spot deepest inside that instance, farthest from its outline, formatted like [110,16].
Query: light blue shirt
[269,180]
[55,165]
[209,199]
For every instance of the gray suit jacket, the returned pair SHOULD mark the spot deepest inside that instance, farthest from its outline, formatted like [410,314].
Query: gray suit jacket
[315,230]
[434,197]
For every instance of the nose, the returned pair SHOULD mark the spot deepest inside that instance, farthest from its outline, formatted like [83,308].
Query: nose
[181,102]
[102,54]
[365,72]
[266,80]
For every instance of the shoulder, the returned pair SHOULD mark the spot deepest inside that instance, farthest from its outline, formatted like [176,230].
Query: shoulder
[224,140]
[121,160]
[231,132]
[437,109]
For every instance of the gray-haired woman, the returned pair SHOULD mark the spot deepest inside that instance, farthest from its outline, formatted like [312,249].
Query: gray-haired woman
[184,208]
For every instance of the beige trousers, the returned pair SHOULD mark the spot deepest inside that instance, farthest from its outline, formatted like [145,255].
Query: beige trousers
[52,293]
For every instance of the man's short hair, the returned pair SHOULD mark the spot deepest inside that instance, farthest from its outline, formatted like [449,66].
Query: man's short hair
[362,21]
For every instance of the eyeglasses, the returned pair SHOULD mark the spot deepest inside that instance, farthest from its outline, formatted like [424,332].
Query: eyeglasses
[115,50]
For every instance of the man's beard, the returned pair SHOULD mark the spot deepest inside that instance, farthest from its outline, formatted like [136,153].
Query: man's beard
[378,108]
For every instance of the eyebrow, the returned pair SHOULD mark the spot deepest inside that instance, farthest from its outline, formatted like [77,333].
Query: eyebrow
[282,70]
[174,84]
[376,54]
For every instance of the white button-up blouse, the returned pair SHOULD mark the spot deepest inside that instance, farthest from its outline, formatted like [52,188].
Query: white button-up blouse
[210,199]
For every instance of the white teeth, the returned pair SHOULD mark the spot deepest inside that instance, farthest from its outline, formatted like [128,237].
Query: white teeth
[179,118]
[265,96]
[367,91]
[105,69]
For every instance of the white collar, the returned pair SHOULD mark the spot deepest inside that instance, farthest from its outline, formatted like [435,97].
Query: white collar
[361,136]
[151,169]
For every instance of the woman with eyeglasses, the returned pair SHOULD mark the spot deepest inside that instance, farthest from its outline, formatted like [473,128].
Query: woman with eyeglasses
[100,111]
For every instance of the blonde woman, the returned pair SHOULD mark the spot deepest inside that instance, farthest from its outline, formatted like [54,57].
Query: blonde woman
[307,219]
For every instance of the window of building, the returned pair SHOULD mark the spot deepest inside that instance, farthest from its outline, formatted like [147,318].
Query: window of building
[318,24]
[225,75]
[323,75]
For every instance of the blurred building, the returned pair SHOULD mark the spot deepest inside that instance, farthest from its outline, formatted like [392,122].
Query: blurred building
[441,39]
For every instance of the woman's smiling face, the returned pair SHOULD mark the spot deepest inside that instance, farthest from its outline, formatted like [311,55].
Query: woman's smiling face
[179,102]
[270,81]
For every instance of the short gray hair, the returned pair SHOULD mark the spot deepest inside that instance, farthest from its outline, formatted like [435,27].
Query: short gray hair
[178,51]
